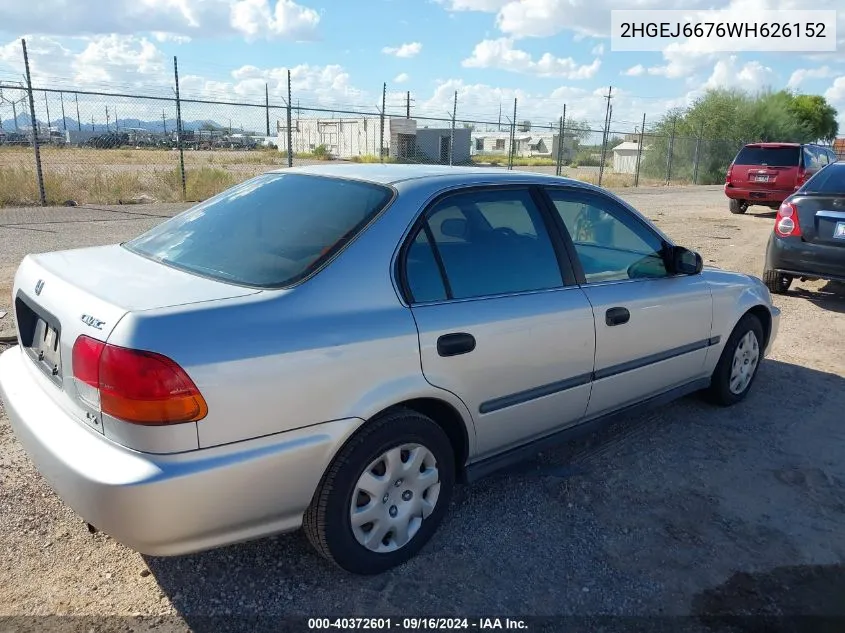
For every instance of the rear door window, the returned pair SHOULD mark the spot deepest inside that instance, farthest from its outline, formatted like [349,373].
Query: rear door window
[769,156]
[270,231]
[829,181]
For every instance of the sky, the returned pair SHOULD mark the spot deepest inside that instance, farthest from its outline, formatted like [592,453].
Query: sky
[546,53]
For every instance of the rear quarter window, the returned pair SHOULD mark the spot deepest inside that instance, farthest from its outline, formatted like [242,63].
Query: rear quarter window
[829,181]
[270,231]
[769,156]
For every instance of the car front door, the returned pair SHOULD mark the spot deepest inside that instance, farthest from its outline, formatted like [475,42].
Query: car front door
[652,327]
[501,322]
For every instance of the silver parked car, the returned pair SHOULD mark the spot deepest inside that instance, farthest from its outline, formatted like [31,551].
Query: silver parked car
[335,347]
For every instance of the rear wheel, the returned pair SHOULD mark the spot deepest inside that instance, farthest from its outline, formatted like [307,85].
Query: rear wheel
[738,206]
[776,282]
[384,495]
[737,367]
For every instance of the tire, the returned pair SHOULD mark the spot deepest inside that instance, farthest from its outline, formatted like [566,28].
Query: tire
[720,391]
[776,282]
[328,521]
[737,206]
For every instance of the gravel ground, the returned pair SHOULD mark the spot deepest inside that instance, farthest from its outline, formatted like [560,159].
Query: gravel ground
[685,510]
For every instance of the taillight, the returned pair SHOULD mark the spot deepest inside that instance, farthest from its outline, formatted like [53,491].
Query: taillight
[786,222]
[728,177]
[135,386]
[802,177]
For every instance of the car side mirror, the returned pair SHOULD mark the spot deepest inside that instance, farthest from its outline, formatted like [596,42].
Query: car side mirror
[686,262]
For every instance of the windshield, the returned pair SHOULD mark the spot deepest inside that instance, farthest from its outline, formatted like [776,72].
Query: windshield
[270,231]
[828,181]
[769,156]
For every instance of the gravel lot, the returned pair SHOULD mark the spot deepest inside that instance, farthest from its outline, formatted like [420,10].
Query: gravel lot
[686,510]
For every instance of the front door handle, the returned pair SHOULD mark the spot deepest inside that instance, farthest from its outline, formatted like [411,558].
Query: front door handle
[617,316]
[455,344]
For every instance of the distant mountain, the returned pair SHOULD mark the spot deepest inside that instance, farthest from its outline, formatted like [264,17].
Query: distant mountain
[157,126]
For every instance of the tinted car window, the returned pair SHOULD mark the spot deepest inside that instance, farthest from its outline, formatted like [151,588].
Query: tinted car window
[612,245]
[830,180]
[269,231]
[770,156]
[422,271]
[490,242]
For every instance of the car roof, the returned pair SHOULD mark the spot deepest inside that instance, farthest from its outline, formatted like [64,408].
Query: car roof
[777,144]
[389,174]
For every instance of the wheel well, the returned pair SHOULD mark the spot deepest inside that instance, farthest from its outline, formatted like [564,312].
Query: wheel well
[762,313]
[448,419]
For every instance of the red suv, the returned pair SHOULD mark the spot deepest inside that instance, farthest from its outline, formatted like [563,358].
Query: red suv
[768,173]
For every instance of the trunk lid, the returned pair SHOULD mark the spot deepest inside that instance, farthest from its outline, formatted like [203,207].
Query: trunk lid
[821,218]
[59,296]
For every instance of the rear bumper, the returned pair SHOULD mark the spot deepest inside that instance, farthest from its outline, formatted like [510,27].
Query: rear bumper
[793,256]
[757,196]
[167,505]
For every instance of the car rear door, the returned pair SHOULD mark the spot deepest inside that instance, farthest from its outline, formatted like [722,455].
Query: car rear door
[653,329]
[501,322]
[767,167]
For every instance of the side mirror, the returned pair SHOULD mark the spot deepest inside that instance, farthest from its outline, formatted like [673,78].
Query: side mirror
[686,262]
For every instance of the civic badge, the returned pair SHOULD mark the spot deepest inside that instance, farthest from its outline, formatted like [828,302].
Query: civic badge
[93,322]
[39,286]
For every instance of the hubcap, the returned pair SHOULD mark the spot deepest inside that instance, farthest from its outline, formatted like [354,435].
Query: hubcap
[746,357]
[393,496]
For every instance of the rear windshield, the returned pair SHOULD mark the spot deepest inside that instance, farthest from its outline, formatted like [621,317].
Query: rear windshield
[270,231]
[830,180]
[769,156]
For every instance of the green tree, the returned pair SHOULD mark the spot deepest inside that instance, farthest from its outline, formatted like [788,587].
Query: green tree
[816,115]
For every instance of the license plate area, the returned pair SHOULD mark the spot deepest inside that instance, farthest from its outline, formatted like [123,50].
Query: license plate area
[40,337]
[760,178]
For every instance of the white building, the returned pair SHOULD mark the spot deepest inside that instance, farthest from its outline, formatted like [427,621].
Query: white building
[625,157]
[526,144]
[342,137]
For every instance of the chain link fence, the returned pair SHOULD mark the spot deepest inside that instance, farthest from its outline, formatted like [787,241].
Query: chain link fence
[74,147]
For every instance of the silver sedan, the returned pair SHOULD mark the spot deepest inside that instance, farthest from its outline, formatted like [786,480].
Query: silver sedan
[335,347]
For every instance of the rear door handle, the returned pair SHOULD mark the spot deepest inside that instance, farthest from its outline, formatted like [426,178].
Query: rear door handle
[617,316]
[455,344]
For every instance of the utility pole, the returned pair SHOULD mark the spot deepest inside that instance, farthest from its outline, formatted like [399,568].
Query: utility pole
[15,115]
[639,153]
[78,118]
[108,129]
[290,131]
[499,128]
[92,123]
[513,137]
[179,145]
[164,121]
[560,140]
[47,105]
[606,131]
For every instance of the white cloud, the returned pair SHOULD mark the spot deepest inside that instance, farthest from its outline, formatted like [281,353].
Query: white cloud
[255,18]
[164,36]
[635,71]
[598,50]
[751,76]
[194,18]
[836,93]
[488,6]
[800,75]
[501,54]
[405,50]
[401,78]
[113,58]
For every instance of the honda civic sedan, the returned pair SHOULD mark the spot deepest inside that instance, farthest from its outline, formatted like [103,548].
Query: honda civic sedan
[336,347]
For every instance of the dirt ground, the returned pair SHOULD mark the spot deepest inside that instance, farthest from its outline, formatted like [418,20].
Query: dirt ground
[688,517]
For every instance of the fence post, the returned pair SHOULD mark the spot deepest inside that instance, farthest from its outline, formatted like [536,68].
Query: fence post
[381,124]
[560,141]
[64,120]
[179,130]
[42,196]
[697,150]
[639,154]
[607,115]
[671,150]
[512,149]
[290,131]
[267,107]
[452,132]
[78,118]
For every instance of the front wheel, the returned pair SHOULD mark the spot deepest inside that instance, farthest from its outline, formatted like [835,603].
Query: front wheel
[776,282]
[738,206]
[384,495]
[738,364]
